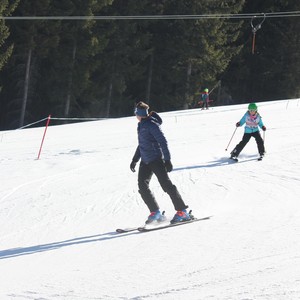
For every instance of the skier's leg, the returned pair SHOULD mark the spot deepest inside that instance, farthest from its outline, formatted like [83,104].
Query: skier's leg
[240,146]
[259,142]
[144,177]
[159,170]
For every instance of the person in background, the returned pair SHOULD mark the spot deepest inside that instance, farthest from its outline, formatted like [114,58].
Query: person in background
[253,121]
[155,158]
[205,98]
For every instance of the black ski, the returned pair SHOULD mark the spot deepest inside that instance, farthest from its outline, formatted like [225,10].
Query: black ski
[236,160]
[124,230]
[152,228]
[129,229]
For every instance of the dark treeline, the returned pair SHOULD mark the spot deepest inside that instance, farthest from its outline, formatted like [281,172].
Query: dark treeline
[100,68]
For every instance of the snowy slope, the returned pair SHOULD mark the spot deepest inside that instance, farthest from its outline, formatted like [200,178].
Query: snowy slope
[58,214]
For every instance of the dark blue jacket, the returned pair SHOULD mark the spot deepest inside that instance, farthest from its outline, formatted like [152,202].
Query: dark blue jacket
[152,142]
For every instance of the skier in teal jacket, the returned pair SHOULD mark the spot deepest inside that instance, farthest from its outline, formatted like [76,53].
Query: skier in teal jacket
[205,98]
[253,122]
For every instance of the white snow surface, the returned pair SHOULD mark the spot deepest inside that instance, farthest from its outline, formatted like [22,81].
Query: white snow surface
[58,214]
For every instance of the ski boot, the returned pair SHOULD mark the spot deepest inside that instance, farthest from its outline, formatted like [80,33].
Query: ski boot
[261,156]
[234,155]
[181,216]
[156,216]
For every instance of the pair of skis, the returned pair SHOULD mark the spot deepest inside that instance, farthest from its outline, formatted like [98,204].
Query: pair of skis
[236,160]
[159,226]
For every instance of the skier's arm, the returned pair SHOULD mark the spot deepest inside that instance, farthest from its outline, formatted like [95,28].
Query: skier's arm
[260,123]
[243,120]
[137,155]
[160,138]
[135,159]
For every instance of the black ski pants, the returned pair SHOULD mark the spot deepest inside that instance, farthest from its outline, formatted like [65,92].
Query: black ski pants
[144,176]
[205,104]
[246,137]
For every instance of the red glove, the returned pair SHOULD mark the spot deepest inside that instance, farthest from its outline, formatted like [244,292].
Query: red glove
[264,128]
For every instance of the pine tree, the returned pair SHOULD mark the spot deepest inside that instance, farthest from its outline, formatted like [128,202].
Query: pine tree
[188,54]
[6,9]
[31,41]
[72,62]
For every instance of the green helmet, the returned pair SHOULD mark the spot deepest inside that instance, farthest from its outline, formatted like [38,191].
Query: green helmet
[206,90]
[252,106]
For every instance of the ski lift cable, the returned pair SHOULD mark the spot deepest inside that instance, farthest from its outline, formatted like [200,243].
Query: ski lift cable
[159,17]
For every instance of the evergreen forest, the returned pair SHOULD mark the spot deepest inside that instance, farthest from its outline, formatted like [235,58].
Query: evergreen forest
[97,58]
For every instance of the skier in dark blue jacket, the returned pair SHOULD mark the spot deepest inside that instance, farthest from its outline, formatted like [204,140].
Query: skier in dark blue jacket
[155,158]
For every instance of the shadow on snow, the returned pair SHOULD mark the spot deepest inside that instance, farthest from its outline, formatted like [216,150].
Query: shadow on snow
[223,161]
[15,252]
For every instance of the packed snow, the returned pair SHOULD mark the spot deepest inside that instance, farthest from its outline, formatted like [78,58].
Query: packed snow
[59,213]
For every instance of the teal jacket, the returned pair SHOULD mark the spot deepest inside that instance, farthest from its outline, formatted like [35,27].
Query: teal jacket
[252,122]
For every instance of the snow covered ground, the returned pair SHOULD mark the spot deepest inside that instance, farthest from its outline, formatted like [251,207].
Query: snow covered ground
[58,214]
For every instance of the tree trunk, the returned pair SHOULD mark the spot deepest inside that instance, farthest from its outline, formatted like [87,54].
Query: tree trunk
[219,92]
[187,89]
[70,82]
[26,87]
[110,88]
[109,97]
[148,92]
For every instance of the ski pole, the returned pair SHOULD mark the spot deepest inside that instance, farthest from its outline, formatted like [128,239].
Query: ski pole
[231,138]
[264,139]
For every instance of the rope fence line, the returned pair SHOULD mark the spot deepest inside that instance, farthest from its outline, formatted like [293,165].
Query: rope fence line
[47,125]
[79,119]
[44,119]
[62,119]
[28,125]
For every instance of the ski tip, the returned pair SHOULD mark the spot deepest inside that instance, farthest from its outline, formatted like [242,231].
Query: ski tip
[125,230]
[233,159]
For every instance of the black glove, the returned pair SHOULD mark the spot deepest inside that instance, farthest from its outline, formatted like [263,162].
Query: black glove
[132,166]
[264,128]
[238,124]
[168,166]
